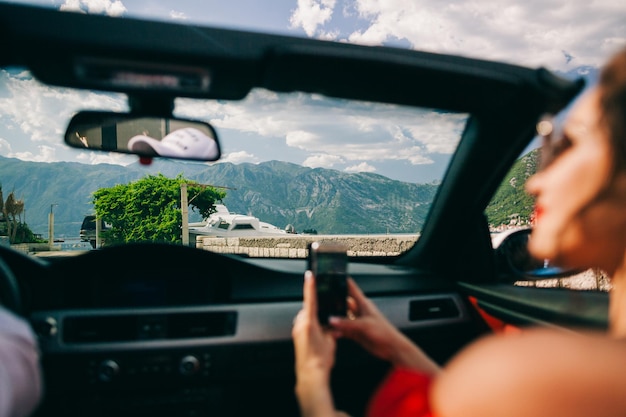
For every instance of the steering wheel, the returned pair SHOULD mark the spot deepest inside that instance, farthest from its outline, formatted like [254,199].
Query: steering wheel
[9,290]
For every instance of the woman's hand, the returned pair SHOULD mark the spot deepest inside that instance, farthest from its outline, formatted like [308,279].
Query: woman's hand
[314,345]
[315,356]
[371,329]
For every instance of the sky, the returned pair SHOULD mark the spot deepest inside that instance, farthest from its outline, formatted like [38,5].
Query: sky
[565,36]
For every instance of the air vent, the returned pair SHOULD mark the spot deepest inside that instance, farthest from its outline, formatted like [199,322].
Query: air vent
[136,327]
[433,308]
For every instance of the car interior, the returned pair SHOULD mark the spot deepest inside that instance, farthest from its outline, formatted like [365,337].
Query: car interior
[158,329]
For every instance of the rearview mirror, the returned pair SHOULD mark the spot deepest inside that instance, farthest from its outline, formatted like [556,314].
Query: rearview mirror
[512,257]
[143,135]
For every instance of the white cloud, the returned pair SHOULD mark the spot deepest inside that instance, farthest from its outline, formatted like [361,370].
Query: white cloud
[107,7]
[301,139]
[261,113]
[46,154]
[355,133]
[83,157]
[176,15]
[322,161]
[332,35]
[239,157]
[5,147]
[415,155]
[42,111]
[362,167]
[267,126]
[530,33]
[38,114]
[72,6]
[312,13]
[438,132]
[93,158]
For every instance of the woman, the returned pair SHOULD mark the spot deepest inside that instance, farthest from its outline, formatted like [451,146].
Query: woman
[580,222]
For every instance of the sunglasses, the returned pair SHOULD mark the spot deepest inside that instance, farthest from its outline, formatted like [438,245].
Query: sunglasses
[554,140]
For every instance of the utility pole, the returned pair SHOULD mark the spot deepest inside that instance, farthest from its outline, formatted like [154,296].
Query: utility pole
[184,209]
[51,227]
[98,231]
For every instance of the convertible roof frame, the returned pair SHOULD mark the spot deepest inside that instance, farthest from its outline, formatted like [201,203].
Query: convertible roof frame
[55,44]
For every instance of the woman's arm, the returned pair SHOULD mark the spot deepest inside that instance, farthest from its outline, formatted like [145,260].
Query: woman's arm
[535,373]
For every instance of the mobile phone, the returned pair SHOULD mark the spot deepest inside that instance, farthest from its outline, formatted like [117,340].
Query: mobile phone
[329,263]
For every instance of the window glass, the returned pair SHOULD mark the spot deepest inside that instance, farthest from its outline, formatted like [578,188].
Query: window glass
[301,165]
[511,208]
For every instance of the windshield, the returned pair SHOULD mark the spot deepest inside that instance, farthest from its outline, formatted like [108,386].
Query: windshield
[293,166]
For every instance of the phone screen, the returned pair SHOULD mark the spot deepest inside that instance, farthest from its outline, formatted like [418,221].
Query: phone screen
[329,265]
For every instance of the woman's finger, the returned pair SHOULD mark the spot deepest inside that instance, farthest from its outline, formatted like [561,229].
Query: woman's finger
[353,306]
[361,300]
[344,327]
[309,296]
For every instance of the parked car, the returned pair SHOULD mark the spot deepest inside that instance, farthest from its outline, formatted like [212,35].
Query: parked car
[88,230]
[156,327]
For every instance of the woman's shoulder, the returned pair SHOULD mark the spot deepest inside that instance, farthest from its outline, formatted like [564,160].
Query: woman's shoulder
[534,373]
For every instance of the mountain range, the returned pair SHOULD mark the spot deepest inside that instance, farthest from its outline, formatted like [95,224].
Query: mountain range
[325,200]
[281,193]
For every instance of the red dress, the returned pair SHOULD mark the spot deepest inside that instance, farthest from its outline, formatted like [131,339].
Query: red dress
[404,392]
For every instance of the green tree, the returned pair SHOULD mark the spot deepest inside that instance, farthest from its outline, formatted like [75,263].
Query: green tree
[23,234]
[149,209]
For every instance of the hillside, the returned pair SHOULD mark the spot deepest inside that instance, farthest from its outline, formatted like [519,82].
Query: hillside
[511,200]
[328,201]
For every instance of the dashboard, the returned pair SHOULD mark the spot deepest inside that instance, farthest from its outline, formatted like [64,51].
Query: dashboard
[168,330]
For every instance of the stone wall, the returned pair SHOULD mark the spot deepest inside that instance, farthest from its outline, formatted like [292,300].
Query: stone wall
[295,246]
[35,247]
